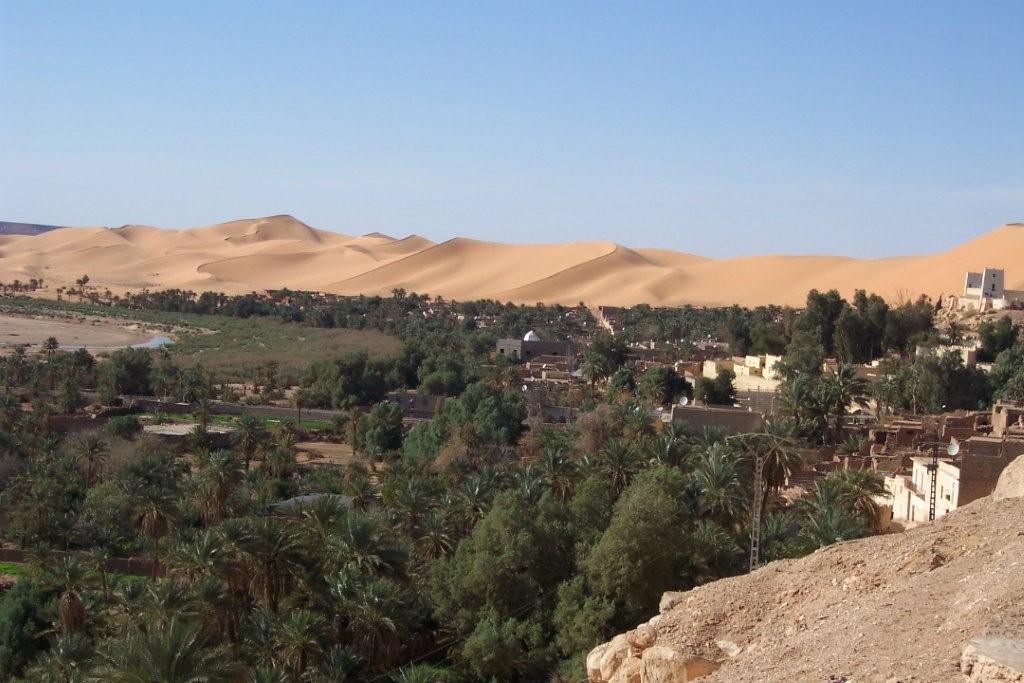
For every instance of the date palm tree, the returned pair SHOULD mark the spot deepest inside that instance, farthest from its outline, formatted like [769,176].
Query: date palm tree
[91,450]
[69,577]
[66,661]
[297,640]
[177,653]
[618,462]
[252,435]
[844,388]
[722,493]
[221,474]
[558,471]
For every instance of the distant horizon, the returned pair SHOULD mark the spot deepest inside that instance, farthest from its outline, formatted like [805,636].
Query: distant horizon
[793,128]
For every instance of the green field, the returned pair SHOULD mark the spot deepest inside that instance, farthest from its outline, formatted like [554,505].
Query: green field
[231,347]
[12,569]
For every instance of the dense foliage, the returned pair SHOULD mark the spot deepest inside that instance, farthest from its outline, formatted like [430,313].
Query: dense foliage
[478,545]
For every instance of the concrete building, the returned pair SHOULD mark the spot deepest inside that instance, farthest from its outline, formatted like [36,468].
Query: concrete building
[958,481]
[753,373]
[531,346]
[968,352]
[986,291]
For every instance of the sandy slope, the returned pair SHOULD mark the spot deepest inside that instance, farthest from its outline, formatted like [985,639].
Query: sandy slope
[280,251]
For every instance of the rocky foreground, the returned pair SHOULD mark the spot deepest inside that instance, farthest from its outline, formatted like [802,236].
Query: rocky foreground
[940,602]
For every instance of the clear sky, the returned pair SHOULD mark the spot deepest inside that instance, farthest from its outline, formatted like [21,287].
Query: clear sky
[864,128]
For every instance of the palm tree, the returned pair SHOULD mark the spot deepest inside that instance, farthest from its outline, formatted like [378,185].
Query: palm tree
[153,515]
[279,462]
[203,407]
[844,387]
[98,558]
[434,537]
[858,491]
[618,462]
[92,451]
[409,501]
[373,611]
[10,410]
[222,474]
[50,347]
[251,436]
[776,446]
[68,576]
[193,560]
[273,555]
[671,446]
[269,675]
[177,653]
[558,471]
[297,640]
[718,480]
[66,661]
[829,524]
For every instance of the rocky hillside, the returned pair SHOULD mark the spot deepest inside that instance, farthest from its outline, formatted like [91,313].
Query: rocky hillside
[890,608]
[8,228]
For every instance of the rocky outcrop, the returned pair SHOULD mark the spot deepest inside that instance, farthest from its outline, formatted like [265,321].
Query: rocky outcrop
[993,659]
[1011,481]
[635,657]
[897,607]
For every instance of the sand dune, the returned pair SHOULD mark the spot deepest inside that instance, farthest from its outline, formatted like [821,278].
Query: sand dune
[280,251]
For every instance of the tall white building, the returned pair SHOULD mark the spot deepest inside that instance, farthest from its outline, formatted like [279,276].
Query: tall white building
[986,291]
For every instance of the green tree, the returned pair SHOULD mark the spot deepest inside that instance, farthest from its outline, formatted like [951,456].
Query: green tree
[996,337]
[382,432]
[717,391]
[661,386]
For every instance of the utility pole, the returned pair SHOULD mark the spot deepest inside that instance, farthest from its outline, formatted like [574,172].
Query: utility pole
[933,467]
[755,521]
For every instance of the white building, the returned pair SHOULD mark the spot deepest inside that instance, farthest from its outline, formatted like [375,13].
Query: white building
[986,291]
[911,493]
[753,373]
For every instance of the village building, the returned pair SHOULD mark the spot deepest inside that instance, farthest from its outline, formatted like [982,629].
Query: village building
[531,346]
[986,291]
[731,419]
[752,373]
[968,352]
[988,443]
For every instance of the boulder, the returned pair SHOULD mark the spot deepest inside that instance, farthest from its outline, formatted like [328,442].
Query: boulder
[993,659]
[670,600]
[661,664]
[641,638]
[628,671]
[594,662]
[613,653]
[1011,481]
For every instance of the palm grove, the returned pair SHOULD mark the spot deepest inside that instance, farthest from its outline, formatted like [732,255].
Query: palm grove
[471,548]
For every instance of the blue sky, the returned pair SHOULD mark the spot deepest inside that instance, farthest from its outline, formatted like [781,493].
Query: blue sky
[862,128]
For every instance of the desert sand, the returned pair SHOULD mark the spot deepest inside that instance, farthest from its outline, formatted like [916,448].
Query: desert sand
[92,334]
[281,251]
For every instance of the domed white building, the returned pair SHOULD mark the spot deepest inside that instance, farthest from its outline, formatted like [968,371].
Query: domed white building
[531,346]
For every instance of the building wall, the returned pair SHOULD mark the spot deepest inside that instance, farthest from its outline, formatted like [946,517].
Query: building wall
[732,420]
[525,350]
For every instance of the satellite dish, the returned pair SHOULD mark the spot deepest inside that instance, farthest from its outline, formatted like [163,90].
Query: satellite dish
[525,388]
[684,401]
[953,448]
